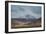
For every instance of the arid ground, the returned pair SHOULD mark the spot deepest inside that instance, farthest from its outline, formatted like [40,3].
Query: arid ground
[23,23]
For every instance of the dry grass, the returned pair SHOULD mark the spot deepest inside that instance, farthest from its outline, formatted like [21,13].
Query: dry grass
[27,25]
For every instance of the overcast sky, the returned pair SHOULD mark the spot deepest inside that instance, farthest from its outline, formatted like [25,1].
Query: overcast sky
[18,11]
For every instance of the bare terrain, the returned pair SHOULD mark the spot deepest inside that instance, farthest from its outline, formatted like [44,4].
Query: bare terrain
[23,23]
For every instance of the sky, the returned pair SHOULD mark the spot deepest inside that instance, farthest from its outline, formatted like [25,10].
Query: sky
[19,11]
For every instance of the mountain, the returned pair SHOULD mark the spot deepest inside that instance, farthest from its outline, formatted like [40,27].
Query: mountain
[23,19]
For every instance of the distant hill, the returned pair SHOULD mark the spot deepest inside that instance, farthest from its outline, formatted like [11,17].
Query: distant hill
[29,21]
[22,19]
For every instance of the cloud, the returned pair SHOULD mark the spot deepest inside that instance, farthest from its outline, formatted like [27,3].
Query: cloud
[21,11]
